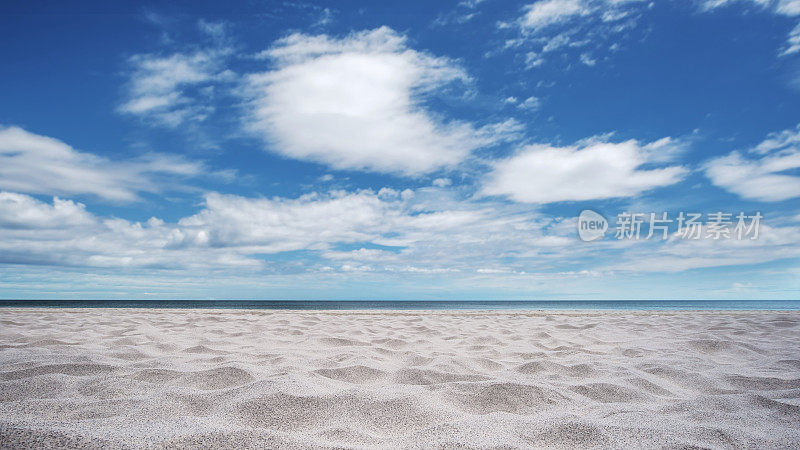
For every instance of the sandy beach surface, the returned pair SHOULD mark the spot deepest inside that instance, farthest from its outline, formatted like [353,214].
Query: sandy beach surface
[226,378]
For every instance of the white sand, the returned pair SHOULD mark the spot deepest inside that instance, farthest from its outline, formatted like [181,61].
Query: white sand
[151,378]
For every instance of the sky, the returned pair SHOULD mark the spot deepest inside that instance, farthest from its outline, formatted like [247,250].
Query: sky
[399,150]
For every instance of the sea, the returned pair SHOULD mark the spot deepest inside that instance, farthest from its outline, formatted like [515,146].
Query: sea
[623,305]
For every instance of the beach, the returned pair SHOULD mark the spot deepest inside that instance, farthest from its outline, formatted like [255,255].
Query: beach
[365,379]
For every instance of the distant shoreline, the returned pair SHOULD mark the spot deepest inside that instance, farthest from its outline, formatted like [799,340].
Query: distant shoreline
[421,305]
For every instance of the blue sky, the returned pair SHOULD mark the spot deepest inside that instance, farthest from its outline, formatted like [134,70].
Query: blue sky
[417,150]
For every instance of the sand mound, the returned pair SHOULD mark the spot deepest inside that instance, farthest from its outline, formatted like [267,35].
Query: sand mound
[570,435]
[157,376]
[353,374]
[483,398]
[218,378]
[287,412]
[608,393]
[78,370]
[550,368]
[425,377]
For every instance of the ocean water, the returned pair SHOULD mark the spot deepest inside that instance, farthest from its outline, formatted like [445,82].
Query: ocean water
[657,305]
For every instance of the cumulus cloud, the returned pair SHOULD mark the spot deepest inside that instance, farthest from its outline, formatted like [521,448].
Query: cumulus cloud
[65,234]
[274,225]
[762,173]
[37,164]
[22,211]
[358,103]
[590,170]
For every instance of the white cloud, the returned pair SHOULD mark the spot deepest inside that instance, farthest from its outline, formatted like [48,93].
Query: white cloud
[531,103]
[590,170]
[677,254]
[761,175]
[780,141]
[533,59]
[65,234]
[756,179]
[588,60]
[793,41]
[788,8]
[342,233]
[556,42]
[784,7]
[38,164]
[175,89]
[548,12]
[442,182]
[215,30]
[22,211]
[232,231]
[274,225]
[465,11]
[325,17]
[547,26]
[357,103]
[362,254]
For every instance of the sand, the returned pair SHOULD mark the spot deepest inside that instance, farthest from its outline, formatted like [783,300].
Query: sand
[226,378]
